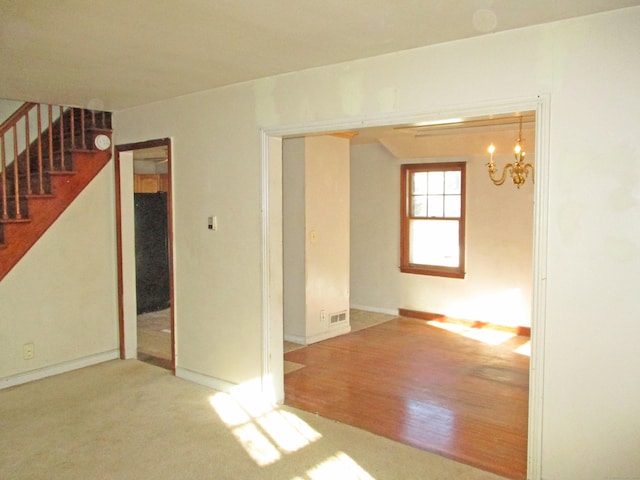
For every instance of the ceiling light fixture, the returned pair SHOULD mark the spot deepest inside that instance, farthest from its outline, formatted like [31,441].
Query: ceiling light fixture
[518,170]
[431,123]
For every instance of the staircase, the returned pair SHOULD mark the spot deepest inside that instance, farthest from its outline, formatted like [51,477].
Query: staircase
[48,155]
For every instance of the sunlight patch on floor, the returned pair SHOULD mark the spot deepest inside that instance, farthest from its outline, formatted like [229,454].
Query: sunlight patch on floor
[441,421]
[488,336]
[339,466]
[485,335]
[265,432]
[524,349]
[257,445]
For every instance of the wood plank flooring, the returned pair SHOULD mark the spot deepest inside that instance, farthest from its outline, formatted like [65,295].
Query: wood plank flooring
[424,386]
[154,338]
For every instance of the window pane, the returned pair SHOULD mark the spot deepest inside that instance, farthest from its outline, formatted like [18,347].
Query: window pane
[432,219]
[436,183]
[419,206]
[452,182]
[419,184]
[435,206]
[452,206]
[434,242]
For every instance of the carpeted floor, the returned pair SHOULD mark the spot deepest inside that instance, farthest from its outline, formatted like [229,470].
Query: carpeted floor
[125,419]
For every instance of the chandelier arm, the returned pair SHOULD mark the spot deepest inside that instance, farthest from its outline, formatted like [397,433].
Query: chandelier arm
[492,171]
[529,168]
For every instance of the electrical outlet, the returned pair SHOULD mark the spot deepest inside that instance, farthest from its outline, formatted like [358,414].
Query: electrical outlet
[28,351]
[323,316]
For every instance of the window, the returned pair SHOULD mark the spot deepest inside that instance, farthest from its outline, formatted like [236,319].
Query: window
[432,230]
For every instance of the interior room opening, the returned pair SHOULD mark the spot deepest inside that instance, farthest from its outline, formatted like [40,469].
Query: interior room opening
[145,238]
[437,140]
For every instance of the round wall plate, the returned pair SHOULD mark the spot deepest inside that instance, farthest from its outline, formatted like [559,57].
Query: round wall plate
[102,142]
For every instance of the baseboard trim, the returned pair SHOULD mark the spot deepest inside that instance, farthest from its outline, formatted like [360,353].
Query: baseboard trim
[335,330]
[295,339]
[206,380]
[516,330]
[58,368]
[366,308]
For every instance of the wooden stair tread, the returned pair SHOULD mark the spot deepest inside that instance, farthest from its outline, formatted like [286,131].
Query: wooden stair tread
[80,149]
[39,196]
[14,220]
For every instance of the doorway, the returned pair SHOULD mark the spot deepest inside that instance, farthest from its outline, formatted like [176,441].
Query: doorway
[145,238]
[319,383]
[273,275]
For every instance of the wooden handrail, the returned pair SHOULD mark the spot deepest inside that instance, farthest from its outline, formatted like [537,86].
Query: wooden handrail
[16,116]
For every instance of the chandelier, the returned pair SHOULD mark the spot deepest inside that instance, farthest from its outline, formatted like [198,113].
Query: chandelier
[518,170]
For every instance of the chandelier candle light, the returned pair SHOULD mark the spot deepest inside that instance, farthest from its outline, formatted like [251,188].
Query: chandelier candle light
[518,170]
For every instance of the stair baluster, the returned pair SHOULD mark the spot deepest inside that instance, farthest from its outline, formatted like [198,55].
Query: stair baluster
[61,119]
[5,212]
[40,168]
[84,141]
[72,126]
[16,174]
[50,138]
[27,151]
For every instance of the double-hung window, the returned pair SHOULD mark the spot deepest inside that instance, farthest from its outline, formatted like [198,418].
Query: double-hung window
[432,229]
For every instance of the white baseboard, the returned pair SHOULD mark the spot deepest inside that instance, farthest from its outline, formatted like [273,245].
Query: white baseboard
[333,332]
[388,311]
[206,380]
[58,368]
[295,339]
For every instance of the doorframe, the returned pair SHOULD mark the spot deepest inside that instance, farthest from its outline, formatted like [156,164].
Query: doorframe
[272,274]
[124,292]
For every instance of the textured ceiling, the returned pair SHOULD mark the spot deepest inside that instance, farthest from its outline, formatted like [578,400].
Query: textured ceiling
[121,53]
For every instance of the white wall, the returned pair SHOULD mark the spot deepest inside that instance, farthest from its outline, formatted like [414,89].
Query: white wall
[497,287]
[327,235]
[62,295]
[316,237]
[216,171]
[294,236]
[7,107]
[588,66]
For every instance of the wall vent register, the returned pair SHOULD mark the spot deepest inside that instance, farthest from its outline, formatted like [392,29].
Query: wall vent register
[338,317]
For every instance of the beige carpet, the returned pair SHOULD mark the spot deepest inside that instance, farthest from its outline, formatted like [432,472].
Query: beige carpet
[125,419]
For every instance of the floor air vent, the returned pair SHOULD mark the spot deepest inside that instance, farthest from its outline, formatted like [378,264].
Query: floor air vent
[337,317]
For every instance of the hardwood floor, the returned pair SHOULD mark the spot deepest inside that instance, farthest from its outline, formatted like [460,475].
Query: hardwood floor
[424,386]
[154,338]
